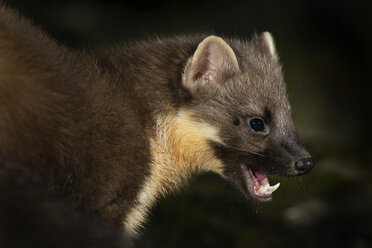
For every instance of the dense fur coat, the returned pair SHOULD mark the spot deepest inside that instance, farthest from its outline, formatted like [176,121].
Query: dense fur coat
[31,217]
[110,133]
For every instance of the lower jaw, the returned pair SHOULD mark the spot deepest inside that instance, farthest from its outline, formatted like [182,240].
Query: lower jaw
[260,198]
[253,185]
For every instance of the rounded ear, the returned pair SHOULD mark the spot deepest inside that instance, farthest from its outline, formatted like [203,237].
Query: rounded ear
[267,41]
[213,61]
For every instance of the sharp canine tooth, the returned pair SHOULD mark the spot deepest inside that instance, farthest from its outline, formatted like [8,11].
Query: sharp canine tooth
[267,189]
[275,187]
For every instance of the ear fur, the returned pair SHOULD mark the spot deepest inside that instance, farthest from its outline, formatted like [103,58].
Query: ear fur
[267,41]
[211,63]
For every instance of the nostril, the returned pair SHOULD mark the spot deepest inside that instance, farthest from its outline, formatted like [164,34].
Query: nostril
[304,165]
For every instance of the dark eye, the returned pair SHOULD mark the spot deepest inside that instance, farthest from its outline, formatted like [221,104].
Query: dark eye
[257,124]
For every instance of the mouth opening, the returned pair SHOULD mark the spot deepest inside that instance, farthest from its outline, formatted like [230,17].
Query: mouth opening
[257,184]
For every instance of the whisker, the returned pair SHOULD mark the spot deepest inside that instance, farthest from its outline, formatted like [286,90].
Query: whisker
[254,153]
[257,146]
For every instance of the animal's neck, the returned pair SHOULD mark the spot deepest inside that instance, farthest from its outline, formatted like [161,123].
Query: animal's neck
[179,148]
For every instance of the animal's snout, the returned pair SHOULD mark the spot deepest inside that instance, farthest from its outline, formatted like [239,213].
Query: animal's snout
[304,165]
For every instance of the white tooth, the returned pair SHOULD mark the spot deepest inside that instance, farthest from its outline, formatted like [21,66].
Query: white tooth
[267,189]
[264,189]
[275,187]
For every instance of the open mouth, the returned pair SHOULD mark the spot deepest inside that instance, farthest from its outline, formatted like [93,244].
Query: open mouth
[257,184]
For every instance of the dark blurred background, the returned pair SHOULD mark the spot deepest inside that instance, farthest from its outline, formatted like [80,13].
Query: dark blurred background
[325,48]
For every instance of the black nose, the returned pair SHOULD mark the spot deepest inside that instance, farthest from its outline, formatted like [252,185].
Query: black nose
[304,165]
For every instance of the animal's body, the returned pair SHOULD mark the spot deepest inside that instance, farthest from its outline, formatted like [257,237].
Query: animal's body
[112,132]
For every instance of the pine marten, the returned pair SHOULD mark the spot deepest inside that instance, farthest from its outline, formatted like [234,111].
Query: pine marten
[109,133]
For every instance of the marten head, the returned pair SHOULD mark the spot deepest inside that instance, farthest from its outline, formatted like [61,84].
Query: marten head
[237,89]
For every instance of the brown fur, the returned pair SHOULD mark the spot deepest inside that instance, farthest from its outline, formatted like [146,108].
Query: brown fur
[66,123]
[31,217]
[114,131]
